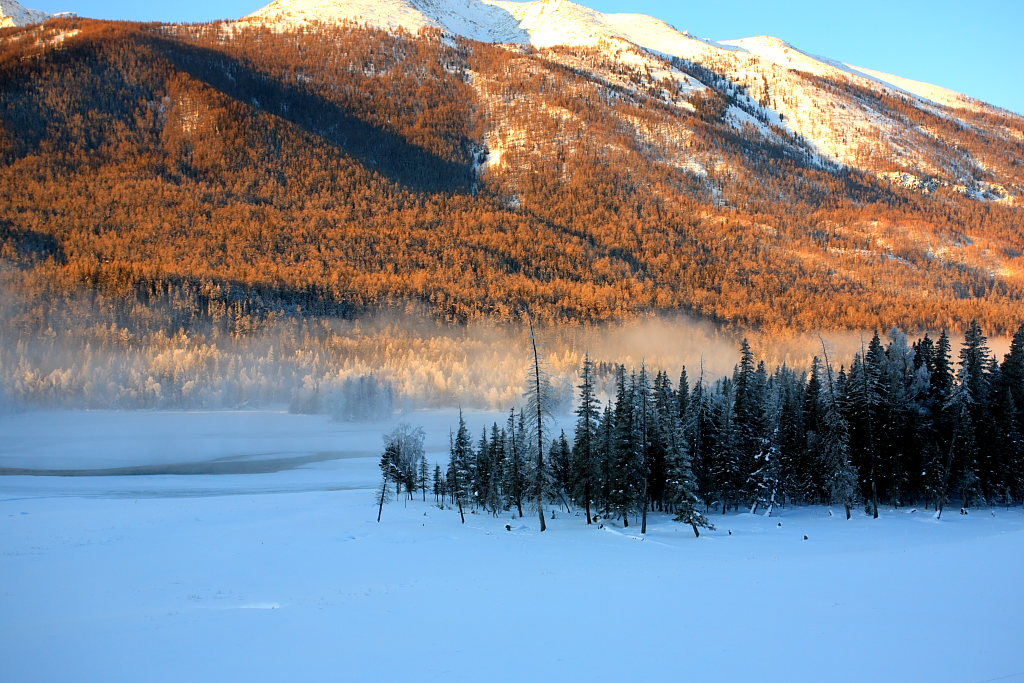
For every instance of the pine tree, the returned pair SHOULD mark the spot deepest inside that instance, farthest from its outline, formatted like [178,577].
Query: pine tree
[497,448]
[460,467]
[974,379]
[665,421]
[515,482]
[748,426]
[840,475]
[683,395]
[625,456]
[680,485]
[424,476]
[699,429]
[789,435]
[606,460]
[585,465]
[439,485]
[389,472]
[560,459]
[643,407]
[808,477]
[482,470]
[1012,373]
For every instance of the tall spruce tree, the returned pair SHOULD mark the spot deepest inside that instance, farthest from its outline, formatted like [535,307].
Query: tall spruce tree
[625,456]
[515,481]
[585,447]
[840,475]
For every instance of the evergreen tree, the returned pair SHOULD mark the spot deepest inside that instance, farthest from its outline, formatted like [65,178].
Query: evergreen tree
[807,476]
[683,395]
[724,469]
[643,409]
[515,481]
[840,475]
[439,485]
[585,447]
[460,467]
[624,486]
[749,426]
[424,476]
[680,485]
[497,448]
[389,471]
[974,378]
[606,460]
[482,470]
[699,429]
[1012,374]
[560,459]
[789,435]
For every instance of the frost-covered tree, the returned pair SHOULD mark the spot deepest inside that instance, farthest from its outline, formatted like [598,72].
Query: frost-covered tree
[404,447]
[539,405]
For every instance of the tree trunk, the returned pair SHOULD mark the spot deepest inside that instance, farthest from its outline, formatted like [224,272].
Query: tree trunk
[383,493]
[643,519]
[540,432]
[586,495]
[458,499]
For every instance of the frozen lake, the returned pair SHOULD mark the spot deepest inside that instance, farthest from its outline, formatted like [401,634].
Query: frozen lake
[165,559]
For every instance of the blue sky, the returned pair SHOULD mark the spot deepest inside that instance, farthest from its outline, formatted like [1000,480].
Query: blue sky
[971,47]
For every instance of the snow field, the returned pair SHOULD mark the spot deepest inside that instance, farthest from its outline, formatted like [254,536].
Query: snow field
[249,577]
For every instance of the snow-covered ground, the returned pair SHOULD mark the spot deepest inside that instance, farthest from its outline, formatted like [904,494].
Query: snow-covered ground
[285,575]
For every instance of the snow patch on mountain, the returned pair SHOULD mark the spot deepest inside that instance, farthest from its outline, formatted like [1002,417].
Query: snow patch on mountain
[550,23]
[383,13]
[934,93]
[14,14]
[784,54]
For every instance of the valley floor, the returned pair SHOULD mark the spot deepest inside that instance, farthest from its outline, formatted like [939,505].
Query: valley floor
[232,575]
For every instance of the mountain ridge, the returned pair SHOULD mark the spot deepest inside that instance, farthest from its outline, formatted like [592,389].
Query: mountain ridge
[548,23]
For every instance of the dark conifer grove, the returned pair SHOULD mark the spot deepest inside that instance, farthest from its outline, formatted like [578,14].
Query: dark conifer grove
[902,426]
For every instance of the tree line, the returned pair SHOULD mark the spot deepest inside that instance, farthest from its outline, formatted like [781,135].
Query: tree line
[902,425]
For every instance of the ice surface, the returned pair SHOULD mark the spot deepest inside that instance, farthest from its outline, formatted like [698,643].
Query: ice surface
[167,578]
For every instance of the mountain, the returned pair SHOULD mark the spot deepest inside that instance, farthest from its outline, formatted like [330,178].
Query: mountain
[781,82]
[13,14]
[324,158]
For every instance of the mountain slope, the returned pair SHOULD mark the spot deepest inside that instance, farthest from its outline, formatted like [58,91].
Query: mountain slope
[829,107]
[225,174]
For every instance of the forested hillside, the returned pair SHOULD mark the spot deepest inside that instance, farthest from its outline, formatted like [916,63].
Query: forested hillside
[190,176]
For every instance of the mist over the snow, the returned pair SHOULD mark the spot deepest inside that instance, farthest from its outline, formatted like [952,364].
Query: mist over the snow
[355,369]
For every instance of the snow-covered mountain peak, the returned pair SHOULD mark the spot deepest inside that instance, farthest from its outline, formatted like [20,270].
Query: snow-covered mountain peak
[550,23]
[14,14]
[382,13]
